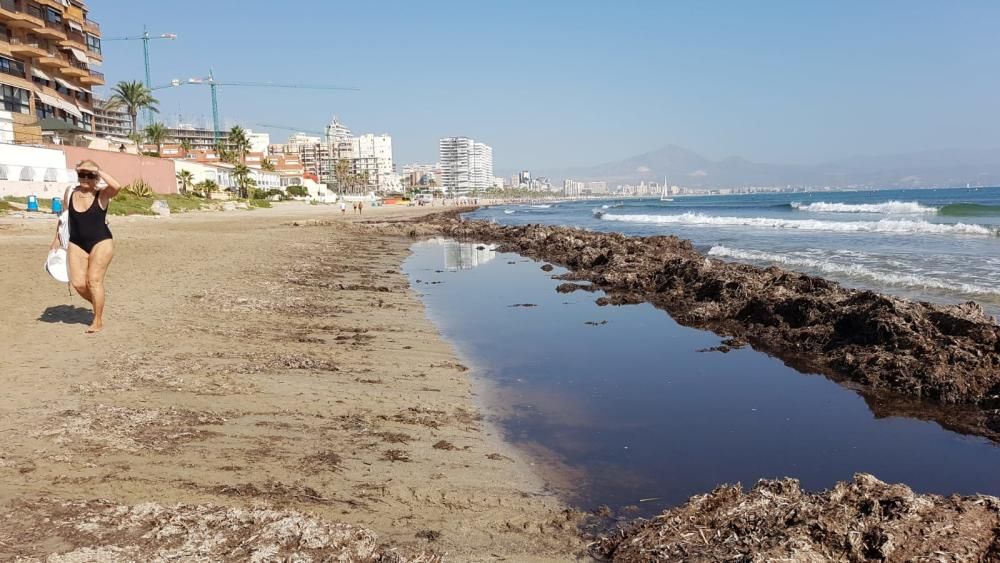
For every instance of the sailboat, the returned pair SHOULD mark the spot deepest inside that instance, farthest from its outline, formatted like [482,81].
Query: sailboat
[666,191]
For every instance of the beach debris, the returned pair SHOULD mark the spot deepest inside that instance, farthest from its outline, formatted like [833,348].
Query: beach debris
[523,305]
[547,267]
[99,530]
[571,287]
[396,455]
[444,445]
[595,323]
[109,427]
[160,208]
[429,535]
[861,520]
[325,460]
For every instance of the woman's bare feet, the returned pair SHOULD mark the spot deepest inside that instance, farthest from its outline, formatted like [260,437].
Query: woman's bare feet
[96,326]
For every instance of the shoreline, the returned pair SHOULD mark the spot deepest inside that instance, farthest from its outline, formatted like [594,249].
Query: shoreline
[898,353]
[277,363]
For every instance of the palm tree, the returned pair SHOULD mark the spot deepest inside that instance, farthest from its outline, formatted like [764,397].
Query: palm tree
[267,165]
[342,173]
[186,147]
[241,175]
[156,133]
[133,96]
[186,179]
[240,142]
[207,187]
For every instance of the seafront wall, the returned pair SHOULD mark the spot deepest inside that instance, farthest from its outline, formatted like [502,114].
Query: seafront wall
[159,173]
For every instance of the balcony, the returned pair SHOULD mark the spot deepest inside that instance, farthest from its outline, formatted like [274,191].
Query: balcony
[14,14]
[75,69]
[20,47]
[94,79]
[52,30]
[91,27]
[74,39]
[53,59]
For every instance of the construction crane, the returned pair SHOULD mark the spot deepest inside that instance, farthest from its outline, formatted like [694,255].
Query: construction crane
[145,38]
[214,84]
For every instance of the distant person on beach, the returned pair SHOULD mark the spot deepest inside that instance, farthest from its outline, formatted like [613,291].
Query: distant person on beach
[91,245]
[343,207]
[359,207]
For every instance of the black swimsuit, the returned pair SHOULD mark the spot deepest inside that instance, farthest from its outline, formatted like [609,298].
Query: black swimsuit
[89,227]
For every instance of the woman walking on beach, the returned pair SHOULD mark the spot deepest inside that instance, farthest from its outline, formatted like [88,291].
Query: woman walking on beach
[91,245]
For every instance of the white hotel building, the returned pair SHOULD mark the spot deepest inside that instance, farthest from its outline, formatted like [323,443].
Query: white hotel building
[466,165]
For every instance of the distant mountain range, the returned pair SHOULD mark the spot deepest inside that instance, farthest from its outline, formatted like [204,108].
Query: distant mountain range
[683,167]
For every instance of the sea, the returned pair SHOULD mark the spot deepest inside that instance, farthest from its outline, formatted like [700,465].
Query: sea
[623,407]
[939,245]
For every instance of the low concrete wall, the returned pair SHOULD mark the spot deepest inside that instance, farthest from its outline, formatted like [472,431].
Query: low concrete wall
[44,190]
[27,170]
[159,173]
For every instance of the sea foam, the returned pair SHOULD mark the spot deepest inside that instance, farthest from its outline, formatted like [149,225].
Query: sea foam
[887,207]
[883,226]
[855,271]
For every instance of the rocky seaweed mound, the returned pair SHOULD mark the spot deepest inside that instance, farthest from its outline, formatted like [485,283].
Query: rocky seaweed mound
[863,520]
[946,354]
[97,530]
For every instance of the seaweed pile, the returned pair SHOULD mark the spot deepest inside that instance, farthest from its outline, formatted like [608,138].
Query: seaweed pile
[861,520]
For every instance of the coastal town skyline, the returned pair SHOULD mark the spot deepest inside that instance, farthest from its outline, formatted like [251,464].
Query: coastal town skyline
[772,86]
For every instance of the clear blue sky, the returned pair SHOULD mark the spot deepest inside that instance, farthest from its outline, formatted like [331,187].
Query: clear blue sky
[561,83]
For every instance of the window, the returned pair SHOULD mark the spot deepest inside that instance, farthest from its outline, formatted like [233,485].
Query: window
[5,33]
[15,99]
[11,67]
[94,43]
[45,111]
[53,15]
[51,175]
[27,174]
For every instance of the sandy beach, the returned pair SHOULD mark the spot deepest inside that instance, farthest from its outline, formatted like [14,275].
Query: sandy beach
[250,361]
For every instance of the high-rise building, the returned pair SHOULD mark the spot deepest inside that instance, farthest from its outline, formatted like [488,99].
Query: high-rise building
[368,157]
[47,53]
[467,166]
[111,122]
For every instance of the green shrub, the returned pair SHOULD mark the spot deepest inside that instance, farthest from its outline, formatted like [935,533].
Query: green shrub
[262,203]
[139,188]
[297,191]
[4,207]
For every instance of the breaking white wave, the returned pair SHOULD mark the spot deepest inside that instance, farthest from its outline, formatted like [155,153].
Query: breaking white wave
[882,226]
[542,206]
[855,271]
[888,207]
[509,211]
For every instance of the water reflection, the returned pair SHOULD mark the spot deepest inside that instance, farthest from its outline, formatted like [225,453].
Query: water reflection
[464,255]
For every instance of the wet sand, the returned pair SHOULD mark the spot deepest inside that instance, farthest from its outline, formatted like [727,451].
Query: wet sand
[249,358]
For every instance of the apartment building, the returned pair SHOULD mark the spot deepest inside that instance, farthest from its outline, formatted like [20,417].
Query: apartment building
[466,165]
[48,51]
[115,123]
[367,156]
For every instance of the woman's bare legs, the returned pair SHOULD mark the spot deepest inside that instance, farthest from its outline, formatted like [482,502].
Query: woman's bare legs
[100,259]
[78,262]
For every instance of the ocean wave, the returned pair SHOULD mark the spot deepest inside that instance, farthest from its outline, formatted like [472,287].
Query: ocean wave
[510,211]
[887,207]
[882,226]
[970,210]
[855,271]
[542,206]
